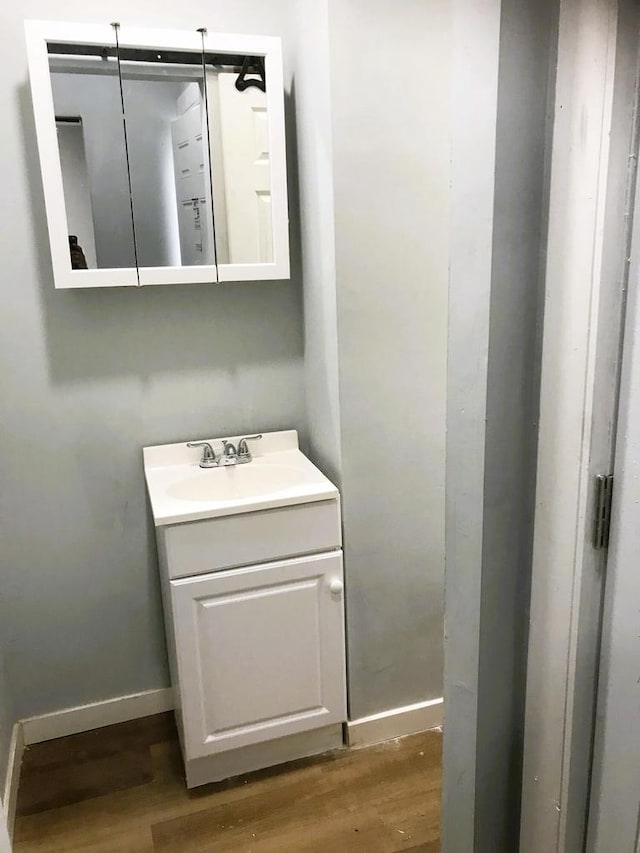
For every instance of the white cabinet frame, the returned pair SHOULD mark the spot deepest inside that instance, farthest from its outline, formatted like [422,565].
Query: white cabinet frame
[38,33]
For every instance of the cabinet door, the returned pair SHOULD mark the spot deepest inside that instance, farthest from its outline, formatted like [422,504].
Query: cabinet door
[260,652]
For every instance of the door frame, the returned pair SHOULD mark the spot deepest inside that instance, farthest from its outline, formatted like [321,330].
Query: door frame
[503,62]
[589,233]
[615,774]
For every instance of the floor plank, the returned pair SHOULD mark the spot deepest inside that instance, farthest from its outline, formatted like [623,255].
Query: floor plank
[122,789]
[68,770]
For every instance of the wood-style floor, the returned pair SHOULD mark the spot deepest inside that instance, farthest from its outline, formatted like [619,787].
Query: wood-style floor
[121,790]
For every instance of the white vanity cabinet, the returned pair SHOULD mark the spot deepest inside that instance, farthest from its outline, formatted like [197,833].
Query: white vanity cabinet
[260,652]
[250,560]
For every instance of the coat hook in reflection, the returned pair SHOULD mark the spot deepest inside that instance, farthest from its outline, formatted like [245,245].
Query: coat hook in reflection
[243,82]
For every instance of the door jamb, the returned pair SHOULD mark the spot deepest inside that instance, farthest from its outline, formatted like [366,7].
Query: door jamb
[584,307]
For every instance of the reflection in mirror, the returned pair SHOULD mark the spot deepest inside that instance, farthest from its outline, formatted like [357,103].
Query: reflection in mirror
[166,123]
[239,140]
[91,143]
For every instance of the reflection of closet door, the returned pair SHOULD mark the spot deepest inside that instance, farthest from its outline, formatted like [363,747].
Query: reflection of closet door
[75,180]
[247,172]
[191,176]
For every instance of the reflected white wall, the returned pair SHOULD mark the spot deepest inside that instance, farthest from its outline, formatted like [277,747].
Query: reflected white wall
[150,107]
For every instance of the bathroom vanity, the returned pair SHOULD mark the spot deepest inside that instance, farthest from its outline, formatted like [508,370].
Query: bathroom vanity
[252,580]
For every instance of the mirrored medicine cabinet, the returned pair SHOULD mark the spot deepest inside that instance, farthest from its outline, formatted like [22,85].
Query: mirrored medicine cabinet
[162,154]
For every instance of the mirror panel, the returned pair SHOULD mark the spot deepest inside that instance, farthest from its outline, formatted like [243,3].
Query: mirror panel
[240,157]
[166,122]
[91,145]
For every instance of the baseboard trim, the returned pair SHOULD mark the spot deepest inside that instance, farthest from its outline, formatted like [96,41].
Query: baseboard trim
[398,722]
[71,721]
[12,782]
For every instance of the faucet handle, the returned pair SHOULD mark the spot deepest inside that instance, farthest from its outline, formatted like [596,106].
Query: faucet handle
[209,459]
[243,448]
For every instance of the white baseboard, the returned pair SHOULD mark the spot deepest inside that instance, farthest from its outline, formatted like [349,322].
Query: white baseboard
[10,794]
[398,722]
[72,721]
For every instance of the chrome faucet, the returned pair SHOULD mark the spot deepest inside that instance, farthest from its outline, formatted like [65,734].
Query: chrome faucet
[231,455]
[239,455]
[209,458]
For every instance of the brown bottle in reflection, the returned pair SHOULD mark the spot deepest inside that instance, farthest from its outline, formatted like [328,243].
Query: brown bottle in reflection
[78,260]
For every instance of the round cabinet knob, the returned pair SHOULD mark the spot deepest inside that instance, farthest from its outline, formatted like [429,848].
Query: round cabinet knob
[336,586]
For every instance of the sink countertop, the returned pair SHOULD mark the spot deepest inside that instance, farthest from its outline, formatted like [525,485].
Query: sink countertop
[173,469]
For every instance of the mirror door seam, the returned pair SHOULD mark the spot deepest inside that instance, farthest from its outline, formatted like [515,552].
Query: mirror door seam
[116,27]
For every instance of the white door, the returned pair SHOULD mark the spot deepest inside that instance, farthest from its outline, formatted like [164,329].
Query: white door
[614,814]
[247,172]
[190,160]
[260,652]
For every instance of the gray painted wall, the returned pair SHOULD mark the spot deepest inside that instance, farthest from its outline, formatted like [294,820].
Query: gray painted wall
[87,379]
[94,376]
[312,96]
[503,59]
[476,35]
[391,185]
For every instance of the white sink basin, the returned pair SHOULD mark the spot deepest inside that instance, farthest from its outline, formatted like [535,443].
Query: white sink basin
[278,475]
[236,482]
